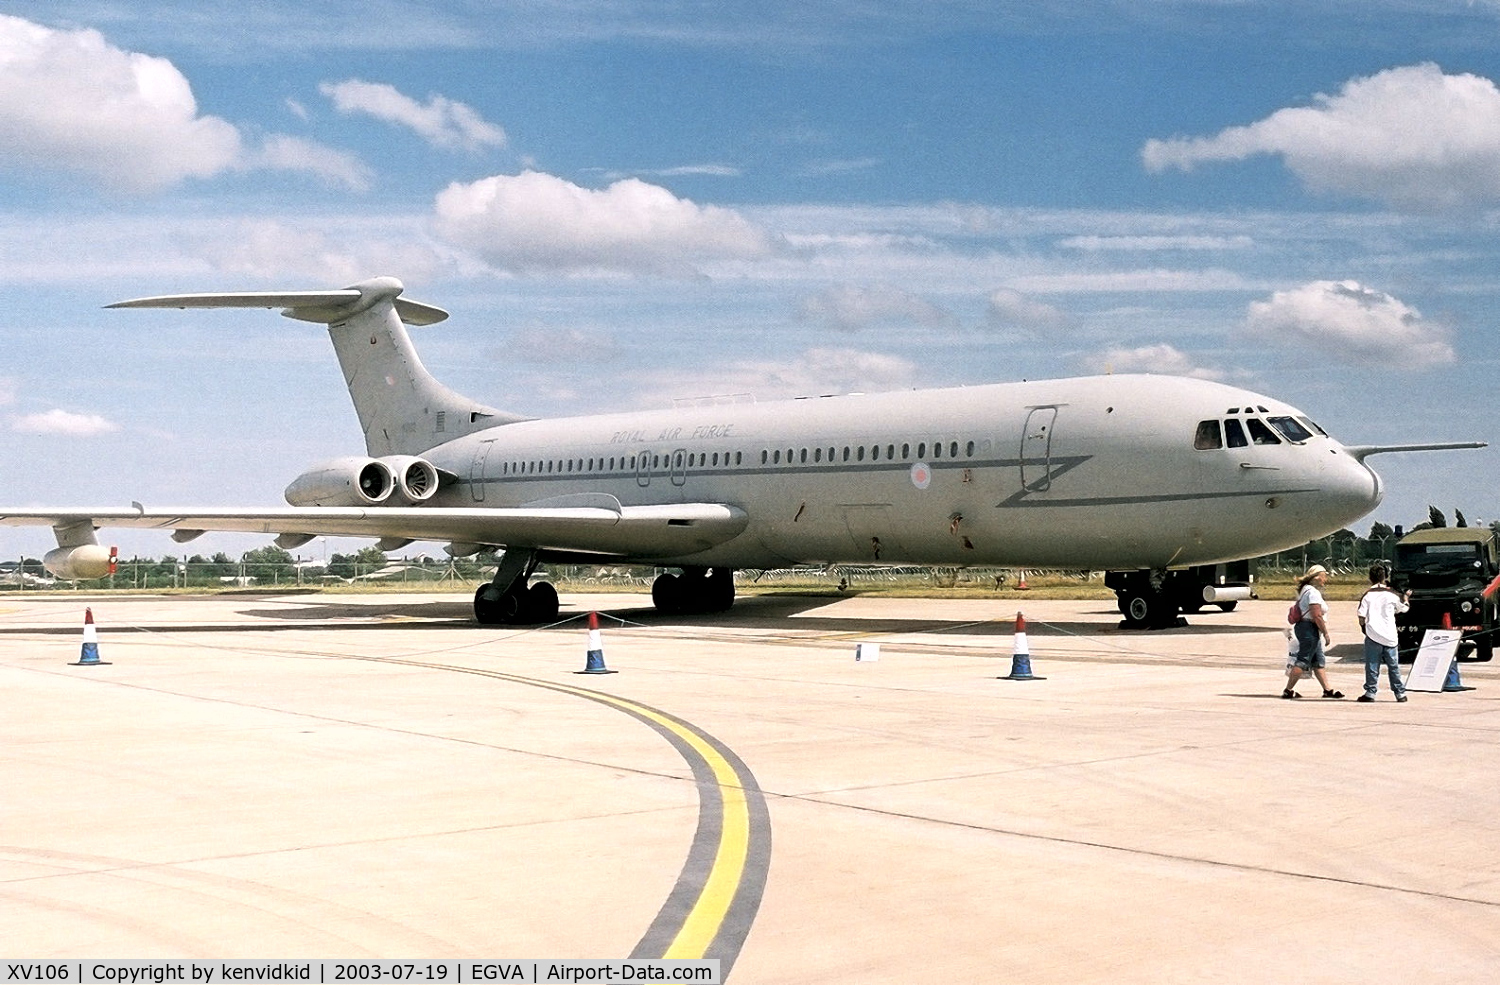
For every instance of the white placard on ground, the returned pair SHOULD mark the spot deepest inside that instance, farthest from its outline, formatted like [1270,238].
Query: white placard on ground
[1430,669]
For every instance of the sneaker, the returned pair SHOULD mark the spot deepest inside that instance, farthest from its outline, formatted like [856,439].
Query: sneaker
[1366,697]
[1400,697]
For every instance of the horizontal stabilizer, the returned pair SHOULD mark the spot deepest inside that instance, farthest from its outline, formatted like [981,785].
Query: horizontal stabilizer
[325,307]
[1363,452]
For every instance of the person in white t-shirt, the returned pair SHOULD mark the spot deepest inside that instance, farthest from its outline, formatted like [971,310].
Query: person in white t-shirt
[1309,628]
[1378,609]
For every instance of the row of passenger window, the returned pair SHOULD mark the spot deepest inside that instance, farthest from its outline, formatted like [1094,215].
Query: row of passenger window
[654,462]
[1234,433]
[857,453]
[630,465]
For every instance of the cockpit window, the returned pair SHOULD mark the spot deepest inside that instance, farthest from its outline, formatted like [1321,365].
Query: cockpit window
[1259,433]
[1234,435]
[1312,426]
[1208,436]
[1289,428]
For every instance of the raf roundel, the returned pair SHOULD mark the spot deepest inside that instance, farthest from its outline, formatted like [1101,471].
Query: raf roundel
[921,475]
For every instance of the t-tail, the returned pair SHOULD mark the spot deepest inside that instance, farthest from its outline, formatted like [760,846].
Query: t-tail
[402,408]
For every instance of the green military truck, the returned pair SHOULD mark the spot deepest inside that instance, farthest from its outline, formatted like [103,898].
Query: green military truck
[1446,569]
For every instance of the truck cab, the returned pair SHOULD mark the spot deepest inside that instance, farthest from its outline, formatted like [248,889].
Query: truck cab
[1446,570]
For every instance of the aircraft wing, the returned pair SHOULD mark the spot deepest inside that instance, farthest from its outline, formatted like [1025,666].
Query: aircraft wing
[601,527]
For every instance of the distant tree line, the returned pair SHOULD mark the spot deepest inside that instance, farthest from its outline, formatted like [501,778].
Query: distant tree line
[1346,549]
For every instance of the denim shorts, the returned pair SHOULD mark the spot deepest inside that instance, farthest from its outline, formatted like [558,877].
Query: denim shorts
[1309,645]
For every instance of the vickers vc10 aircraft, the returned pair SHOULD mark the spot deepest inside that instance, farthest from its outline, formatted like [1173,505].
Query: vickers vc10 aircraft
[1154,479]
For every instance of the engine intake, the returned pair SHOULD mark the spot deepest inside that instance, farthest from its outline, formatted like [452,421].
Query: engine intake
[396,480]
[343,482]
[416,478]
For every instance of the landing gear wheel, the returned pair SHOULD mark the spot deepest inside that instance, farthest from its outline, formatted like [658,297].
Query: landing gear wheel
[666,594]
[718,590]
[493,607]
[1227,606]
[694,592]
[541,603]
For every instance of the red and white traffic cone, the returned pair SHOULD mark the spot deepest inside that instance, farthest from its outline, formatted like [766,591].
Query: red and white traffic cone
[1020,660]
[595,660]
[89,655]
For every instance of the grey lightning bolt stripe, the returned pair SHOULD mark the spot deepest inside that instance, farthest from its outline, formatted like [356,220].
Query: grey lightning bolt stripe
[1023,499]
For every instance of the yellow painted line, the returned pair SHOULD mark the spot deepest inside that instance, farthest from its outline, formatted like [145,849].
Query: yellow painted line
[707,915]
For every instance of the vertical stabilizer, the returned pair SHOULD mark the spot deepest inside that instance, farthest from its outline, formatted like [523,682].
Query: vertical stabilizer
[402,409]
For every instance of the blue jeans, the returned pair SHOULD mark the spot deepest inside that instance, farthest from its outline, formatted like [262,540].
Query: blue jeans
[1375,655]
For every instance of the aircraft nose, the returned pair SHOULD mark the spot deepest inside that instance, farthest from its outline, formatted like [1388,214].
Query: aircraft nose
[1353,485]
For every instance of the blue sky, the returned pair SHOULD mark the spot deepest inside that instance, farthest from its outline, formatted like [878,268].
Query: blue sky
[625,203]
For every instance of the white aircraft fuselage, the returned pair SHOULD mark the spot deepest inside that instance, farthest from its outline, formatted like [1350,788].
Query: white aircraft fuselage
[1098,472]
[1134,474]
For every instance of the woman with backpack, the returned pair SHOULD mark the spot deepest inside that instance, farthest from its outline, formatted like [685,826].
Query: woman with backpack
[1311,631]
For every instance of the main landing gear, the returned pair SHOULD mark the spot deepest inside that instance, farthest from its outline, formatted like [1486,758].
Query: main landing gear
[694,592]
[508,599]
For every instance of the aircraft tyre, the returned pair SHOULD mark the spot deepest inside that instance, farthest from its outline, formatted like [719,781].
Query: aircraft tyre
[695,591]
[541,603]
[1227,606]
[666,594]
[522,605]
[493,607]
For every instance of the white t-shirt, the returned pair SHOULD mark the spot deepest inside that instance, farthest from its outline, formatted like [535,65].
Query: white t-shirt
[1309,597]
[1378,608]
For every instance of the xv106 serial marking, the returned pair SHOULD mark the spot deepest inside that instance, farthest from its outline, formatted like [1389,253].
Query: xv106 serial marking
[1140,475]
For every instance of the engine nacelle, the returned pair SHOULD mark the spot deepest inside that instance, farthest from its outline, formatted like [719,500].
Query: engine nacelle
[82,563]
[344,482]
[416,478]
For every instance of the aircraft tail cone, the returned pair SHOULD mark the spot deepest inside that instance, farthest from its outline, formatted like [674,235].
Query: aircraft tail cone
[1020,661]
[89,655]
[594,663]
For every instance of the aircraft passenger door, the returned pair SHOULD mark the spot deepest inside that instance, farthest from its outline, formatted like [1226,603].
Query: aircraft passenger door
[1036,449]
[679,467]
[476,470]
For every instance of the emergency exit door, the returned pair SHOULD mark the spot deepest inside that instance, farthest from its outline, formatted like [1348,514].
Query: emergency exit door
[1036,449]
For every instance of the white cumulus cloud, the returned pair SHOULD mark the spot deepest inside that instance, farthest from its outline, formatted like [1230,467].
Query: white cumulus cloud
[1349,322]
[1161,359]
[812,373]
[1012,309]
[71,102]
[440,121]
[849,308]
[534,222]
[1411,137]
[63,422]
[285,153]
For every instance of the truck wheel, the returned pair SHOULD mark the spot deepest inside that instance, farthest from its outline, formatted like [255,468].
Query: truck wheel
[1142,609]
[1484,648]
